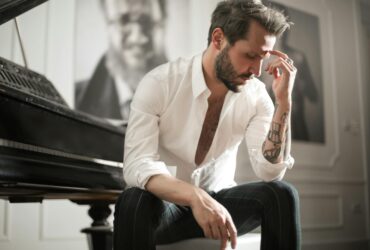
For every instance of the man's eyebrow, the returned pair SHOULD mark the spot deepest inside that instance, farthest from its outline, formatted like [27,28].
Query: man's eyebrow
[256,54]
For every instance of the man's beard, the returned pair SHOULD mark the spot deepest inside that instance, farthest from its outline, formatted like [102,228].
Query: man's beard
[225,71]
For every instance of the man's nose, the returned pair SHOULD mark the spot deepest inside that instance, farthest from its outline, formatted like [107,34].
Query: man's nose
[256,68]
[137,36]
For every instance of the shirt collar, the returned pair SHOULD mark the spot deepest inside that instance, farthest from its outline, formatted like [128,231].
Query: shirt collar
[198,82]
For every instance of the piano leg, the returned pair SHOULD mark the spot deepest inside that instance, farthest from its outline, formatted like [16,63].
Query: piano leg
[100,234]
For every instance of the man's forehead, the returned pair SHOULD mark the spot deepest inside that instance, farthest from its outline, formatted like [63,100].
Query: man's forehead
[117,8]
[260,47]
[259,39]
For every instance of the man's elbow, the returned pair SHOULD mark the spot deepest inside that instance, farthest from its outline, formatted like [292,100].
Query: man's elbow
[268,176]
[130,177]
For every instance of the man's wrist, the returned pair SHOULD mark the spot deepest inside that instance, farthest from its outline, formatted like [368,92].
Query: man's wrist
[196,197]
[285,104]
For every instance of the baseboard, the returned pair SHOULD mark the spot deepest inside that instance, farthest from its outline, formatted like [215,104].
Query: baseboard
[339,245]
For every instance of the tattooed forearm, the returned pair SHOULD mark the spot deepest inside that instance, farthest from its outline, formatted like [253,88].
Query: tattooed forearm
[274,133]
[274,136]
[271,154]
[273,144]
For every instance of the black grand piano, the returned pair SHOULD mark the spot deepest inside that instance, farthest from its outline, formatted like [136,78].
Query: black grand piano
[49,151]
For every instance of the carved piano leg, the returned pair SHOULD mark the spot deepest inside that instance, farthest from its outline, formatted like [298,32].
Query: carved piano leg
[100,234]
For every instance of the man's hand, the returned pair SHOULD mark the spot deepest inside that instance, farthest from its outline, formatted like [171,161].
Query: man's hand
[214,219]
[284,73]
[210,215]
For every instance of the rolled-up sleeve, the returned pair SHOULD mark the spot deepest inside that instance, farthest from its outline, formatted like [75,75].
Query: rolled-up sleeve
[256,134]
[141,158]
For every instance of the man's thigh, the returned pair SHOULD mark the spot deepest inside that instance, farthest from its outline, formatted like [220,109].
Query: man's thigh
[249,203]
[245,203]
[177,223]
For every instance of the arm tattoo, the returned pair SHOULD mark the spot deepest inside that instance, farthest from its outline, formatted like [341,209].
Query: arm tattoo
[274,133]
[271,154]
[275,137]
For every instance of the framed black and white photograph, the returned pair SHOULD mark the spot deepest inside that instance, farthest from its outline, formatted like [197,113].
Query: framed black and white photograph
[116,43]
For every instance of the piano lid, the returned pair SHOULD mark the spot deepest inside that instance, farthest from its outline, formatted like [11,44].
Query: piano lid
[12,8]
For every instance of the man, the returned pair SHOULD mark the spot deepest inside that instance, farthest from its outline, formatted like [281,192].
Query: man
[194,113]
[135,32]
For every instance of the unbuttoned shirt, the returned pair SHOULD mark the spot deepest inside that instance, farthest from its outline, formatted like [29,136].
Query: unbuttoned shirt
[166,120]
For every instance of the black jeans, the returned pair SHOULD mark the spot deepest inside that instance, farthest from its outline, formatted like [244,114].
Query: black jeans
[141,220]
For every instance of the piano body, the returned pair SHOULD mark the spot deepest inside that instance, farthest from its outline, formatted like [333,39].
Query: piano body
[49,151]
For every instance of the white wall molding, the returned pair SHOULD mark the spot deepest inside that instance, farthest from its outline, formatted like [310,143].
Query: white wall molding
[331,203]
[337,245]
[361,90]
[56,223]
[5,221]
[327,181]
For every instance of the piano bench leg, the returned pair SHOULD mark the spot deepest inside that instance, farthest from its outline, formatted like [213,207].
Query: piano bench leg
[99,238]
[100,234]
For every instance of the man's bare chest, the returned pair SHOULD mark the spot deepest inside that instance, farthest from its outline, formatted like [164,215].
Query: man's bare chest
[209,128]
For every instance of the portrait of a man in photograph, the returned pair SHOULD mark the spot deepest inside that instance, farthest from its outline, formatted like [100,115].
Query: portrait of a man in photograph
[134,32]
[302,44]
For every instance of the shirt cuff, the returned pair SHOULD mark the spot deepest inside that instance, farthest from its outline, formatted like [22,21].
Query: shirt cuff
[269,171]
[144,172]
[287,163]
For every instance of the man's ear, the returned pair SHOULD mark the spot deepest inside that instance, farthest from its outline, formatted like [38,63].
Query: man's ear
[218,38]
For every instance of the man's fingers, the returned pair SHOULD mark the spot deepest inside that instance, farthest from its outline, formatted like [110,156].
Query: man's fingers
[288,65]
[232,231]
[279,63]
[224,236]
[278,53]
[273,69]
[215,232]
[207,231]
[223,244]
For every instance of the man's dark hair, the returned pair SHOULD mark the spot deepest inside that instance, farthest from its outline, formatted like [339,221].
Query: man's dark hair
[234,17]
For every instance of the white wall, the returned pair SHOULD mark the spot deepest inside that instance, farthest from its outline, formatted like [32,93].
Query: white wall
[366,88]
[331,178]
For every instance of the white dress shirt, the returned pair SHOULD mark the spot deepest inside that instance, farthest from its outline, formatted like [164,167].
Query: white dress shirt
[166,119]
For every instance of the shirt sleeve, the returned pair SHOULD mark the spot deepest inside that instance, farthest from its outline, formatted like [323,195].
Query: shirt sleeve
[141,158]
[256,134]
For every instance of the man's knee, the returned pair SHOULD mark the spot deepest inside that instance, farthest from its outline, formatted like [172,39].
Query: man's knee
[285,191]
[137,201]
[136,216]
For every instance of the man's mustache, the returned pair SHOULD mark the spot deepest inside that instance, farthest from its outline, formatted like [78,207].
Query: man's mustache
[248,75]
